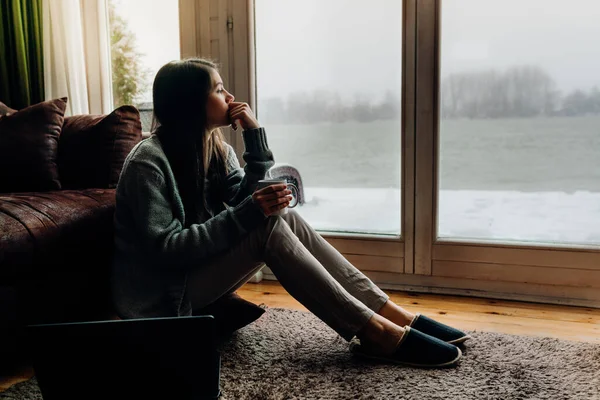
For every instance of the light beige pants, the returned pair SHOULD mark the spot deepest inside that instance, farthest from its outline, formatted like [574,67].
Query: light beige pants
[306,265]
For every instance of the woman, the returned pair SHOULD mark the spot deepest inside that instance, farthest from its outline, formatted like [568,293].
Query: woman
[190,228]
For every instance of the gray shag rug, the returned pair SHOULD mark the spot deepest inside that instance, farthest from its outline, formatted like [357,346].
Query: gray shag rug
[289,354]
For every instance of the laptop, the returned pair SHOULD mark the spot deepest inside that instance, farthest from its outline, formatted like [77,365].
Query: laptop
[154,358]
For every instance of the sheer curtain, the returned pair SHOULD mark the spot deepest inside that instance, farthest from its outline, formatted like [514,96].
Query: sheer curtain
[77,54]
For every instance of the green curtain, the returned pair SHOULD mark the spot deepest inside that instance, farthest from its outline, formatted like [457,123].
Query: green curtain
[21,53]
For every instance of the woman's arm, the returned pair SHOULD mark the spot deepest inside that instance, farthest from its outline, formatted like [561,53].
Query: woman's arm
[160,231]
[240,183]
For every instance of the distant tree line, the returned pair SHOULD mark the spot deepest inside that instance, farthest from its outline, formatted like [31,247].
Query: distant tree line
[517,92]
[326,106]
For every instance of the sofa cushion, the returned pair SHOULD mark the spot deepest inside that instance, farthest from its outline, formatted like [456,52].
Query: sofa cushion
[29,147]
[93,148]
[49,230]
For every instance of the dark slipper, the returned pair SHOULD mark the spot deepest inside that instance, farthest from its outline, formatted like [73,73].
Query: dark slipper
[415,349]
[438,330]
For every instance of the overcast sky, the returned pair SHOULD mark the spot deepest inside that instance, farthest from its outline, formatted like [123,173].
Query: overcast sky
[558,35]
[354,46]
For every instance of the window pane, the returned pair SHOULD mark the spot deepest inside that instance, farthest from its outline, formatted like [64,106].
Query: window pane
[520,118]
[329,89]
[144,37]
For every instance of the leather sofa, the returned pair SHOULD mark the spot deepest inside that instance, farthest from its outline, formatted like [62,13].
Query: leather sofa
[57,199]
[57,196]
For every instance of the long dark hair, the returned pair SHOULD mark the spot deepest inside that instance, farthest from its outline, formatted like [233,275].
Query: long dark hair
[180,92]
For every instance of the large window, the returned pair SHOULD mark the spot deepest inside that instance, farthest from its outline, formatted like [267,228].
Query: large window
[329,84]
[493,106]
[520,117]
[144,37]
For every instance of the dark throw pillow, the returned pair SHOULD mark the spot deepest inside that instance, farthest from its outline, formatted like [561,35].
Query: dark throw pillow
[231,313]
[29,147]
[93,148]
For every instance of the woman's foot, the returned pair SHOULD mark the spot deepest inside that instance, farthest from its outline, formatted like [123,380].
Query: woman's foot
[437,329]
[396,314]
[401,317]
[380,336]
[415,349]
[384,340]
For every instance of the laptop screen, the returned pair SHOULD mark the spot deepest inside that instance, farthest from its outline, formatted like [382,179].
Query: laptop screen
[154,358]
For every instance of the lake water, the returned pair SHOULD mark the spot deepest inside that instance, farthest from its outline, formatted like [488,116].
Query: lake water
[530,180]
[545,154]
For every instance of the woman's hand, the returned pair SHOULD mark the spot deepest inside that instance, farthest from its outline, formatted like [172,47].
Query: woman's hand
[243,113]
[272,198]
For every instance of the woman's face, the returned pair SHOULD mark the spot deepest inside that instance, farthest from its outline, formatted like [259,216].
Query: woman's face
[217,104]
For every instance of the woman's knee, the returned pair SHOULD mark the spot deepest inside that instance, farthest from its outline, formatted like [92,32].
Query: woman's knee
[291,215]
[277,230]
[284,223]
[271,224]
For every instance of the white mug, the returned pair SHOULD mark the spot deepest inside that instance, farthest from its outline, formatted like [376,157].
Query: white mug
[263,183]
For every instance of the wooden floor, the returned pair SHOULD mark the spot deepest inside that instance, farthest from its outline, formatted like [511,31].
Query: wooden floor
[562,322]
[571,323]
